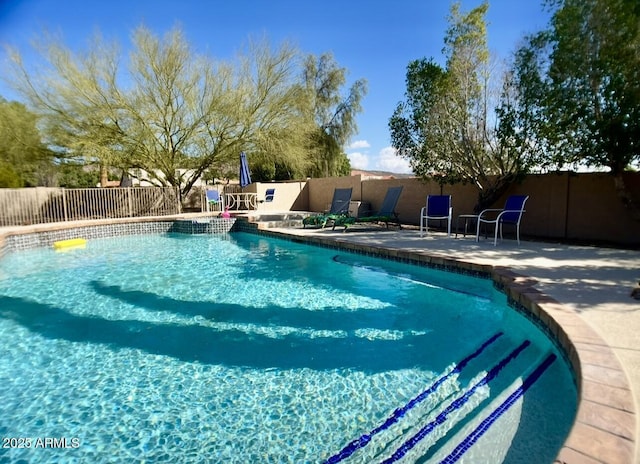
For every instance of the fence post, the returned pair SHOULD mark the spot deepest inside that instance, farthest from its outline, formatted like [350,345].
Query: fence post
[130,202]
[64,204]
[33,219]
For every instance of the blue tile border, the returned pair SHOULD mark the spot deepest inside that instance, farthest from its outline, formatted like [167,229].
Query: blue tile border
[484,426]
[455,405]
[364,440]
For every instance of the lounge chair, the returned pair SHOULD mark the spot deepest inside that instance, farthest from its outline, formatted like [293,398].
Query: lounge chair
[438,207]
[214,201]
[339,209]
[386,214]
[269,194]
[510,214]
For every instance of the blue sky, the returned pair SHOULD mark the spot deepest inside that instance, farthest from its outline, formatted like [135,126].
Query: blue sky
[372,40]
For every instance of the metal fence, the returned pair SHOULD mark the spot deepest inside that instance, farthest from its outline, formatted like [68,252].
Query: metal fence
[41,204]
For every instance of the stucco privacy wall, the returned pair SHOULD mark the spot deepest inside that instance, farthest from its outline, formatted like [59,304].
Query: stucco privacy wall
[289,196]
[321,190]
[561,206]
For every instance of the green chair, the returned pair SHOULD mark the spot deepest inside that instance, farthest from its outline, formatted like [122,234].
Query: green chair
[339,209]
[386,214]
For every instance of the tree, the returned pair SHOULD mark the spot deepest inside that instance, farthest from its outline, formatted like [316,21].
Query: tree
[519,112]
[587,104]
[23,157]
[171,109]
[74,175]
[334,114]
[449,125]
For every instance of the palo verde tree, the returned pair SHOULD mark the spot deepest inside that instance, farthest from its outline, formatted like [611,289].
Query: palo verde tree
[449,125]
[274,113]
[334,114]
[170,109]
[582,78]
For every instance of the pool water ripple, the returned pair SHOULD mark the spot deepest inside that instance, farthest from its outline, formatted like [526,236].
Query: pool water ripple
[240,349]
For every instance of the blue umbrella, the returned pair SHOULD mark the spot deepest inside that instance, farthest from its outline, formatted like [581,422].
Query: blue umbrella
[245,175]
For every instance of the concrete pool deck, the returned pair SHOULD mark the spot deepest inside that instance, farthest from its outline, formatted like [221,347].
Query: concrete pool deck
[581,293]
[593,283]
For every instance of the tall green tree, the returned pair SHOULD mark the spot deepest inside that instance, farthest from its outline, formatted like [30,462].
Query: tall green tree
[449,125]
[24,160]
[334,114]
[170,109]
[585,88]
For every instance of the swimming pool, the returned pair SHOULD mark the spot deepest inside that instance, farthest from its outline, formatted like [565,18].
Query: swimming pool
[241,348]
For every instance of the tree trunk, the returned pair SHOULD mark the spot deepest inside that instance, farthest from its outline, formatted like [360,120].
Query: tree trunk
[630,203]
[494,190]
[104,175]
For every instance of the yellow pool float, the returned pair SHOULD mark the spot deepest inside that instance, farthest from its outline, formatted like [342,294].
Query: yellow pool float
[70,243]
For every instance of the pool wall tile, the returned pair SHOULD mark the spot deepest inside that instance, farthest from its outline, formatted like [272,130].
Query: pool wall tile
[203,226]
[40,237]
[574,359]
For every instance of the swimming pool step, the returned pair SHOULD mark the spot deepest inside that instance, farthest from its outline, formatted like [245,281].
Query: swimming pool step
[506,407]
[430,429]
[424,425]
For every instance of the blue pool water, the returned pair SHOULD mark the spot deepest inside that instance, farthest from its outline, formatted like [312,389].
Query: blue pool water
[240,348]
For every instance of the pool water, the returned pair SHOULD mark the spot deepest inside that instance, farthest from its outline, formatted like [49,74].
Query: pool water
[239,348]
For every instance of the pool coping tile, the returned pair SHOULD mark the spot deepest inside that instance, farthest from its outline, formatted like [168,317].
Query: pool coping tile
[613,420]
[607,395]
[598,444]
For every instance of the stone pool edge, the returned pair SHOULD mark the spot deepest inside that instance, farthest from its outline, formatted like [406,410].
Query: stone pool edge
[605,423]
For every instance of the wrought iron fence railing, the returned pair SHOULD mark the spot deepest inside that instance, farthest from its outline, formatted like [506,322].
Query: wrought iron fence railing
[42,204]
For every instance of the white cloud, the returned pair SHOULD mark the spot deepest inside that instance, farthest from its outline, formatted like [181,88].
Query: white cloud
[388,161]
[359,144]
[358,160]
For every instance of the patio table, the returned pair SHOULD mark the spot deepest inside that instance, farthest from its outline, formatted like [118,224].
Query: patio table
[466,218]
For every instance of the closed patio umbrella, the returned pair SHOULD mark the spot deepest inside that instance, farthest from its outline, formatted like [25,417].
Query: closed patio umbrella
[245,175]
